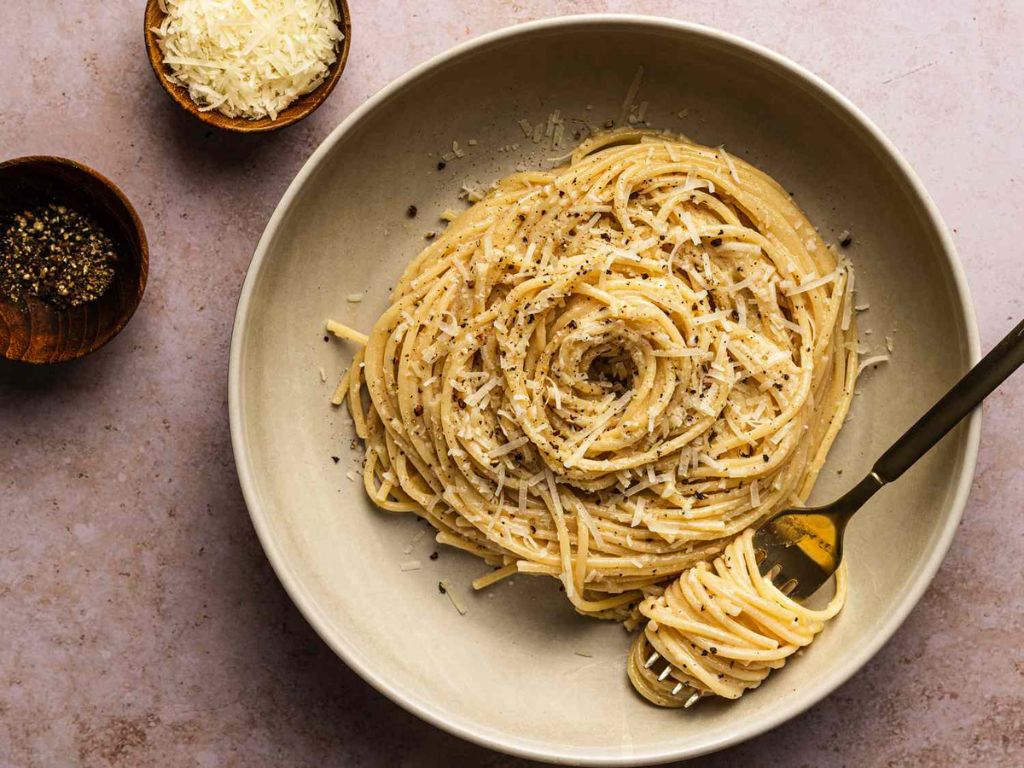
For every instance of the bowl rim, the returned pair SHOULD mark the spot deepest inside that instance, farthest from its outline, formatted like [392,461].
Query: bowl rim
[140,231]
[215,119]
[467,729]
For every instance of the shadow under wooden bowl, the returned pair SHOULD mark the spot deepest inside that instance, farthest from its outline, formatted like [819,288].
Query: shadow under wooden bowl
[297,110]
[35,331]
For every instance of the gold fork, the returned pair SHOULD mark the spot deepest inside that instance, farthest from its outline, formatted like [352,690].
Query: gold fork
[799,549]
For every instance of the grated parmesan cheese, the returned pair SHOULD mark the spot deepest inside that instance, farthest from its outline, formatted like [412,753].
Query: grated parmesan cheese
[248,58]
[848,300]
[691,227]
[732,165]
[445,586]
[638,512]
[812,284]
[557,394]
[479,395]
[631,92]
[508,447]
[501,482]
[869,361]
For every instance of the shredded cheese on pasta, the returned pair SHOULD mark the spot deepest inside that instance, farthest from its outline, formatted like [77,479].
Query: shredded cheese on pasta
[610,370]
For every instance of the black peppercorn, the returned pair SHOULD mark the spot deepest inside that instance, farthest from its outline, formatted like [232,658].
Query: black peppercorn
[54,253]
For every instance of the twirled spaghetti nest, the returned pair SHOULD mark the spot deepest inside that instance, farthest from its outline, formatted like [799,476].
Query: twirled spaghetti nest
[605,372]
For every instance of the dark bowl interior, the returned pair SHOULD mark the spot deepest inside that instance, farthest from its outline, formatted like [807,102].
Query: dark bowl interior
[35,331]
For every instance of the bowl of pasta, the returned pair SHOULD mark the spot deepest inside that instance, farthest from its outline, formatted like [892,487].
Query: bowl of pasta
[522,360]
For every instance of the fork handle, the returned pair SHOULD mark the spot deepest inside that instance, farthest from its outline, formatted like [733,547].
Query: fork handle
[1006,357]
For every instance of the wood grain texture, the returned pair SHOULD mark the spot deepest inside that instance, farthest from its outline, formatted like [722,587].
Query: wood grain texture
[38,332]
[299,109]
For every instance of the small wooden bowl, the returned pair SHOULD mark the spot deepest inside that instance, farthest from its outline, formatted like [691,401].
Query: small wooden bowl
[300,108]
[35,331]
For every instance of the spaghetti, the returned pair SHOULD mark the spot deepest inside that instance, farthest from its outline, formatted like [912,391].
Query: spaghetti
[604,372]
[720,630]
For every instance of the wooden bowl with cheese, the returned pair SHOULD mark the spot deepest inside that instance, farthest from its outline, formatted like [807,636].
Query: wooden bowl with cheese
[299,104]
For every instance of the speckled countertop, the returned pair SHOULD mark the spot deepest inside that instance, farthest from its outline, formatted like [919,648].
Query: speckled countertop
[140,623]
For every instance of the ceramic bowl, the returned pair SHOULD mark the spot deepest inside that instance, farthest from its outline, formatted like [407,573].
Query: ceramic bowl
[507,674]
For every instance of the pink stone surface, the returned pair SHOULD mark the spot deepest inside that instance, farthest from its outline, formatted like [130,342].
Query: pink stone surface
[140,623]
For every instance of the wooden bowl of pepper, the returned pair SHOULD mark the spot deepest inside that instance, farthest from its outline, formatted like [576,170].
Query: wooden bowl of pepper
[73,260]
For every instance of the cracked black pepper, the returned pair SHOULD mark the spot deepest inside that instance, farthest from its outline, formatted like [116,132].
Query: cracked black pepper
[56,254]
